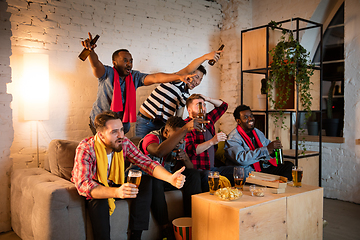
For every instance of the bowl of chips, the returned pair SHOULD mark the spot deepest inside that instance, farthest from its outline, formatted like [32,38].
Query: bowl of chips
[228,193]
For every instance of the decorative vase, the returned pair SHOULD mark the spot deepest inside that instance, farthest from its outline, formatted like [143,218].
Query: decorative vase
[331,127]
[262,101]
[281,91]
[313,128]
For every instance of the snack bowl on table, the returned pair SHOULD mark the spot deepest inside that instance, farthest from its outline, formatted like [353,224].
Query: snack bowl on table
[228,193]
[257,191]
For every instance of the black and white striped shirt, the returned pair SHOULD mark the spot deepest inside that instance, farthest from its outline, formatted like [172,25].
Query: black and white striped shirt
[166,99]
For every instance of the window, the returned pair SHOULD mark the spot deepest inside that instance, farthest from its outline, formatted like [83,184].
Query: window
[333,70]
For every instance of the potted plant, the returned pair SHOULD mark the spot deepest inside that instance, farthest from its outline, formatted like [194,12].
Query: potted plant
[331,124]
[262,97]
[312,125]
[290,67]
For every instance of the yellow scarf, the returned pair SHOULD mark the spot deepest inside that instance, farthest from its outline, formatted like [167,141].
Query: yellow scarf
[117,168]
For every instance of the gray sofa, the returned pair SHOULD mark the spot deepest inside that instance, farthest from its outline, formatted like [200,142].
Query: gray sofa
[46,205]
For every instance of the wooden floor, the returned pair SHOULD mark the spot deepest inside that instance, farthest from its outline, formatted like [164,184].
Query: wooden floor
[343,221]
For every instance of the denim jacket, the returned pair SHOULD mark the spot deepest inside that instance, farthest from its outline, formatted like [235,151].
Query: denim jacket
[239,153]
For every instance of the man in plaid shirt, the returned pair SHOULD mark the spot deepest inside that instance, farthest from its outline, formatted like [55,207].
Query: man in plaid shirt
[85,175]
[201,146]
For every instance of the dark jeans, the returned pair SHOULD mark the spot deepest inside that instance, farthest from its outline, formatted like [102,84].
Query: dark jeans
[281,170]
[144,126]
[93,130]
[98,210]
[226,171]
[191,186]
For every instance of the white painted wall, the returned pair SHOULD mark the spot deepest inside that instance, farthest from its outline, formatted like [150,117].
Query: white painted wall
[6,127]
[161,35]
[237,17]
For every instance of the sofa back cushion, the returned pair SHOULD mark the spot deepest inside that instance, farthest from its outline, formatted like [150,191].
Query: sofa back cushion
[61,154]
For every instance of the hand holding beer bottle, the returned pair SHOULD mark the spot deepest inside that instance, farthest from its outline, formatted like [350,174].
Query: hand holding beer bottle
[274,145]
[196,123]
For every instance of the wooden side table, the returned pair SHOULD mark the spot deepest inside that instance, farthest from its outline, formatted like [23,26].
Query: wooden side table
[295,214]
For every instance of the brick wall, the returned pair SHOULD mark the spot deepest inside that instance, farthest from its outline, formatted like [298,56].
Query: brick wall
[6,128]
[237,17]
[162,35]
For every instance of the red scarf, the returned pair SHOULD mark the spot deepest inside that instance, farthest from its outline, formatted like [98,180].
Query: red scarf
[130,101]
[252,148]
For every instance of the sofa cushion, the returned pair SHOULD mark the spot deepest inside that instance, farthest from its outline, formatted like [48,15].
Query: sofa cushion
[61,154]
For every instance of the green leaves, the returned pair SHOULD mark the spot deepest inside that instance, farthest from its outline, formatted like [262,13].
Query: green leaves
[290,61]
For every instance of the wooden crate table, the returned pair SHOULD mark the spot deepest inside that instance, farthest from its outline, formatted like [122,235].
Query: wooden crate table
[295,214]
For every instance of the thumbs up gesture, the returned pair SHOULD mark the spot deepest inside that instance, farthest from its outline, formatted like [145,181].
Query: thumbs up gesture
[177,179]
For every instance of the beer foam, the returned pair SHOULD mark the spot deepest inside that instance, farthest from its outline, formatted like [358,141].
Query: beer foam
[135,174]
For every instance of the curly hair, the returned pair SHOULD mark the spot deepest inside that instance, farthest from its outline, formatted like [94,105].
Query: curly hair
[115,54]
[239,109]
[175,122]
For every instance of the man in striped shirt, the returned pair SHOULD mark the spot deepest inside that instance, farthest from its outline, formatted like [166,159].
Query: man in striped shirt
[169,99]
[97,153]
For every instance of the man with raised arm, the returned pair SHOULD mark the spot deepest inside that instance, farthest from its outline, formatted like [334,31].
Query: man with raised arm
[117,85]
[201,145]
[247,146]
[169,99]
[167,147]
[99,175]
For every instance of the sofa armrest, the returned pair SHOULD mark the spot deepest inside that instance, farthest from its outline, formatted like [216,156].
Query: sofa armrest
[44,206]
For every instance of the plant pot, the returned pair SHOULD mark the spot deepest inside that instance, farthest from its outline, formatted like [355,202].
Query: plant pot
[280,93]
[262,101]
[313,128]
[331,127]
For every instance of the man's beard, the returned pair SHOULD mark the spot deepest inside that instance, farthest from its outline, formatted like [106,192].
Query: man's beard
[121,71]
[116,148]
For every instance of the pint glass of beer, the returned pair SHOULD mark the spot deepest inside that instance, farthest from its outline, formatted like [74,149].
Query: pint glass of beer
[134,177]
[213,179]
[239,176]
[297,174]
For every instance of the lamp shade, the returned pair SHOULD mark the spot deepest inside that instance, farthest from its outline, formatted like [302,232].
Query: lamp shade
[36,86]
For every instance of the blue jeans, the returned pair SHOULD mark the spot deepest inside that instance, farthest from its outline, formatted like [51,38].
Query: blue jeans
[144,126]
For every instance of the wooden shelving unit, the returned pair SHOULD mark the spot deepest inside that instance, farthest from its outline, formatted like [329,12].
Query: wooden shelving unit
[256,43]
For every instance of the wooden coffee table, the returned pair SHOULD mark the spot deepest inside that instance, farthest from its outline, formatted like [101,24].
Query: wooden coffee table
[295,214]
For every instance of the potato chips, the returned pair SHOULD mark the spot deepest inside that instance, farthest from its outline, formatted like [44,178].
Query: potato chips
[228,193]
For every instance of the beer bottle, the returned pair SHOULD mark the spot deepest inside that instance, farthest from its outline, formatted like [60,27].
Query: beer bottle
[201,114]
[279,155]
[212,61]
[85,52]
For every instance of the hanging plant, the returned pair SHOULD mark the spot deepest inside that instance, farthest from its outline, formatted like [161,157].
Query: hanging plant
[290,62]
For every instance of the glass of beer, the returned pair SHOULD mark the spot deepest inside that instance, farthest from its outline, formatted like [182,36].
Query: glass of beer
[213,179]
[239,176]
[134,177]
[297,174]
